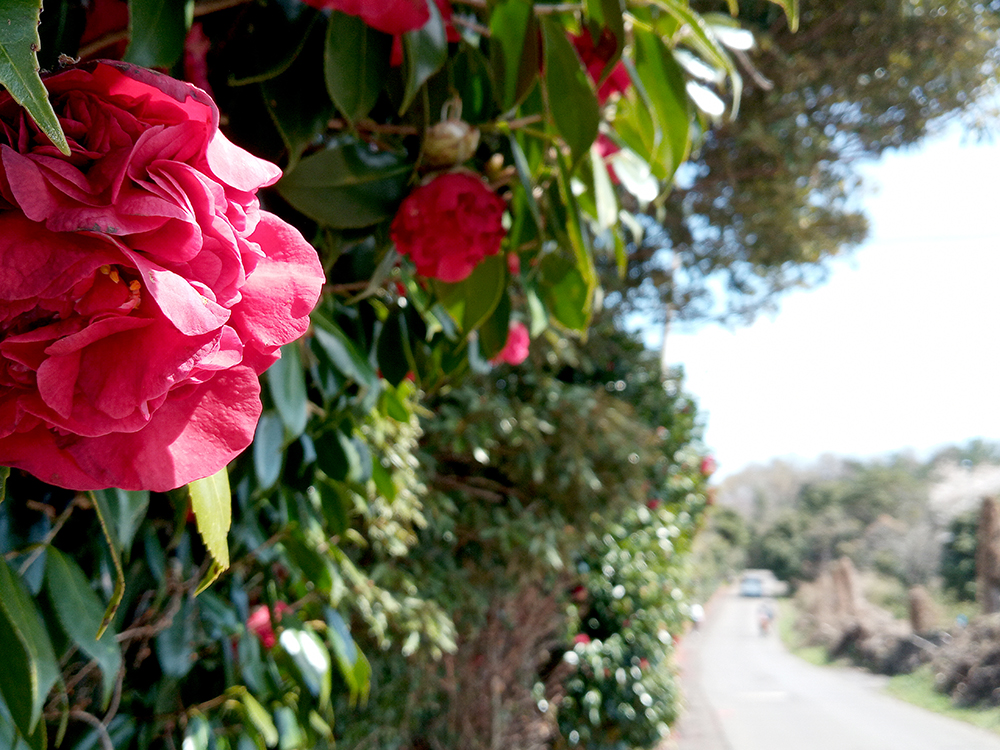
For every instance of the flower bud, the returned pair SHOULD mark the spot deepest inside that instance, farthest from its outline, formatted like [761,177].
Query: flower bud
[450,142]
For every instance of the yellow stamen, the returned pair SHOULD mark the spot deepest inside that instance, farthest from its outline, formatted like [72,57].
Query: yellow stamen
[105,270]
[114,276]
[134,286]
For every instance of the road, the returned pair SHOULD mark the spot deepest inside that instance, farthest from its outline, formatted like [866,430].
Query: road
[746,692]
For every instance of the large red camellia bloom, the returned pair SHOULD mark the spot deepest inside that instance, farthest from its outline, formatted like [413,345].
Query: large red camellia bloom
[142,289]
[449,225]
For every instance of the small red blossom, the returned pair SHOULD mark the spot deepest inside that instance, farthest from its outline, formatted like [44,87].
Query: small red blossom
[607,147]
[595,57]
[261,622]
[513,264]
[581,638]
[708,466]
[449,225]
[390,16]
[653,503]
[515,351]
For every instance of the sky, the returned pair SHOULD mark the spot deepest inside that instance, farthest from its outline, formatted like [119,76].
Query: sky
[899,349]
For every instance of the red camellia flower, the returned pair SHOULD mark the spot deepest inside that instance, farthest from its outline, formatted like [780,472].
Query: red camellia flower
[595,57]
[515,351]
[390,16]
[449,225]
[261,622]
[142,289]
[581,638]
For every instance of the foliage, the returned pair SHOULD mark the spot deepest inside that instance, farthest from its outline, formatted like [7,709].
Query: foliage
[958,557]
[771,196]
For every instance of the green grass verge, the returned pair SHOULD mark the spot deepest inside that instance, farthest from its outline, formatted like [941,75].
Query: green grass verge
[918,688]
[788,613]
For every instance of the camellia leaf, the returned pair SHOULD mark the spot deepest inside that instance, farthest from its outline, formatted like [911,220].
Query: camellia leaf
[311,659]
[4,473]
[157,29]
[356,62]
[29,663]
[126,510]
[80,613]
[395,356]
[211,502]
[19,45]
[572,100]
[347,185]
[663,80]
[268,449]
[512,34]
[426,52]
[257,715]
[472,300]
[353,665]
[287,383]
[565,291]
[197,734]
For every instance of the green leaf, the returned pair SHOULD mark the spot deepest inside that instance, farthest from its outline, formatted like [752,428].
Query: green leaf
[426,51]
[353,665]
[572,101]
[335,503]
[268,449]
[290,734]
[104,507]
[4,474]
[258,716]
[347,186]
[342,352]
[287,383]
[81,614]
[604,191]
[19,45]
[126,510]
[472,300]
[338,457]
[157,29]
[495,329]
[565,292]
[174,644]
[311,659]
[197,734]
[662,78]
[356,63]
[395,357]
[29,663]
[791,8]
[513,34]
[212,504]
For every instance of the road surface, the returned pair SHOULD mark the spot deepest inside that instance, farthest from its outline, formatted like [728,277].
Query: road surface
[745,692]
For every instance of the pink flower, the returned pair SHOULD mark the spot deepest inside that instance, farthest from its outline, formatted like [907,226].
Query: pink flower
[391,16]
[708,465]
[449,225]
[581,638]
[515,351]
[142,289]
[261,622]
[595,57]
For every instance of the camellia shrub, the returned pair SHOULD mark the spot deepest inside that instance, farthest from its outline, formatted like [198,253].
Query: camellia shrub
[243,245]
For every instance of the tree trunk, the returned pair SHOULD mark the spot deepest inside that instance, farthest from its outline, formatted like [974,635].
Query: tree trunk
[988,557]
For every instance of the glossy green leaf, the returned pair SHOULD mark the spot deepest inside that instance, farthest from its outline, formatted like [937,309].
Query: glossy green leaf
[290,734]
[663,80]
[314,566]
[4,474]
[395,357]
[336,503]
[212,504]
[513,34]
[29,663]
[157,29]
[356,63]
[338,456]
[342,352]
[572,101]
[347,185]
[287,384]
[81,614]
[565,292]
[268,449]
[126,510]
[311,659]
[495,329]
[791,8]
[11,738]
[472,300]
[579,242]
[19,45]
[258,716]
[174,644]
[354,666]
[104,506]
[197,733]
[426,51]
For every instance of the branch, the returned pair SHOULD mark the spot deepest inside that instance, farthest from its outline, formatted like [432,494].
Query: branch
[102,731]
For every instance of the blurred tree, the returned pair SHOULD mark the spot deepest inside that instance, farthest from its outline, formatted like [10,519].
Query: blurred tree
[771,196]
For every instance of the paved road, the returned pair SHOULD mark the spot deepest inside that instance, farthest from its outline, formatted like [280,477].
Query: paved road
[745,692]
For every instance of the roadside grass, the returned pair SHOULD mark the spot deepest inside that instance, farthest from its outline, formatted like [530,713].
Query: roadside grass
[918,688]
